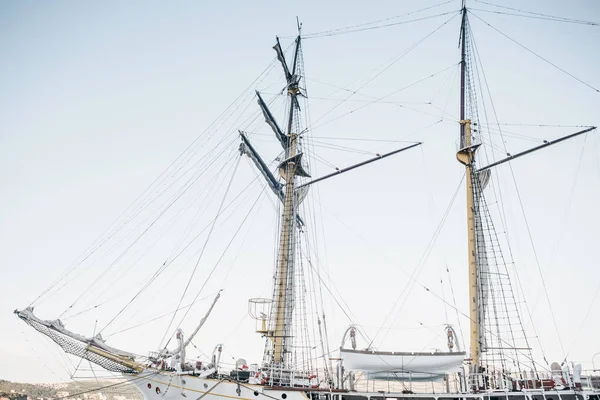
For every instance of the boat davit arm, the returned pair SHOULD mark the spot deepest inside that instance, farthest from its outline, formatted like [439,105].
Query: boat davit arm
[182,345]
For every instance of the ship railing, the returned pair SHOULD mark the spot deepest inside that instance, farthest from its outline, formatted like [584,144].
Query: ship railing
[278,376]
[519,381]
[492,381]
[365,382]
[592,379]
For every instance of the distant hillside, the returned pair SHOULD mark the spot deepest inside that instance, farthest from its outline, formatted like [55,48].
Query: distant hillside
[80,390]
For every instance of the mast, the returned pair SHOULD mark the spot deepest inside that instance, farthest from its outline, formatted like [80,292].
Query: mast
[466,156]
[278,354]
[289,168]
[286,256]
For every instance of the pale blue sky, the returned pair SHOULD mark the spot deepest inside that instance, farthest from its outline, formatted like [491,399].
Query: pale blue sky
[99,97]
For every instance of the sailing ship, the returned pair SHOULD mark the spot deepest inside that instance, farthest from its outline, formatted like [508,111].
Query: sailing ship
[497,365]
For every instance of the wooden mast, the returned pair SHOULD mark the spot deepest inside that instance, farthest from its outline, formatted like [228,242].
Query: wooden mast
[466,156]
[288,169]
[286,248]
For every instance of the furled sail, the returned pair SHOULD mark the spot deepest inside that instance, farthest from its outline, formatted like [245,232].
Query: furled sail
[300,194]
[247,149]
[281,58]
[402,366]
[292,78]
[300,169]
[270,120]
[484,178]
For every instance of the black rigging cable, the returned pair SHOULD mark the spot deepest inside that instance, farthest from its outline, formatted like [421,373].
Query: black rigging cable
[223,253]
[380,98]
[339,31]
[455,12]
[385,68]
[166,264]
[414,276]
[125,382]
[536,54]
[106,336]
[555,19]
[501,132]
[154,221]
[202,251]
[433,293]
[563,223]
[587,314]
[115,226]
[534,14]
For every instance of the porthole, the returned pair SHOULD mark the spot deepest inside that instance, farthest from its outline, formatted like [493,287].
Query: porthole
[255,393]
[183,381]
[157,390]
[238,391]
[149,386]
[206,386]
[284,396]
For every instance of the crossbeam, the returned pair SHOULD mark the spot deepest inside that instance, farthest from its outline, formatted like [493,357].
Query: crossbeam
[541,146]
[360,164]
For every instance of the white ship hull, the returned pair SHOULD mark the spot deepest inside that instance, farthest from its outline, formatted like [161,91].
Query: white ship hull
[161,385]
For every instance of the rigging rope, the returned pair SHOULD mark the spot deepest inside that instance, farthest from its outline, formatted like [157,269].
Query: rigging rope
[433,293]
[587,314]
[418,268]
[317,299]
[169,204]
[382,97]
[378,21]
[155,318]
[394,60]
[555,19]
[125,382]
[223,254]
[202,251]
[537,261]
[349,30]
[536,54]
[176,256]
[570,199]
[117,225]
[539,15]
[499,194]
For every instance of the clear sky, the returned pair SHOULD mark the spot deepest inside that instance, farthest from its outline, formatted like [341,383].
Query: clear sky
[98,98]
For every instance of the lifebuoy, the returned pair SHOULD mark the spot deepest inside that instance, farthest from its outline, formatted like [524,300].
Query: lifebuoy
[258,376]
[314,384]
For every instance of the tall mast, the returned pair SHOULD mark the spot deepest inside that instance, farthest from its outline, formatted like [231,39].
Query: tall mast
[466,156]
[289,168]
[286,257]
[278,352]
